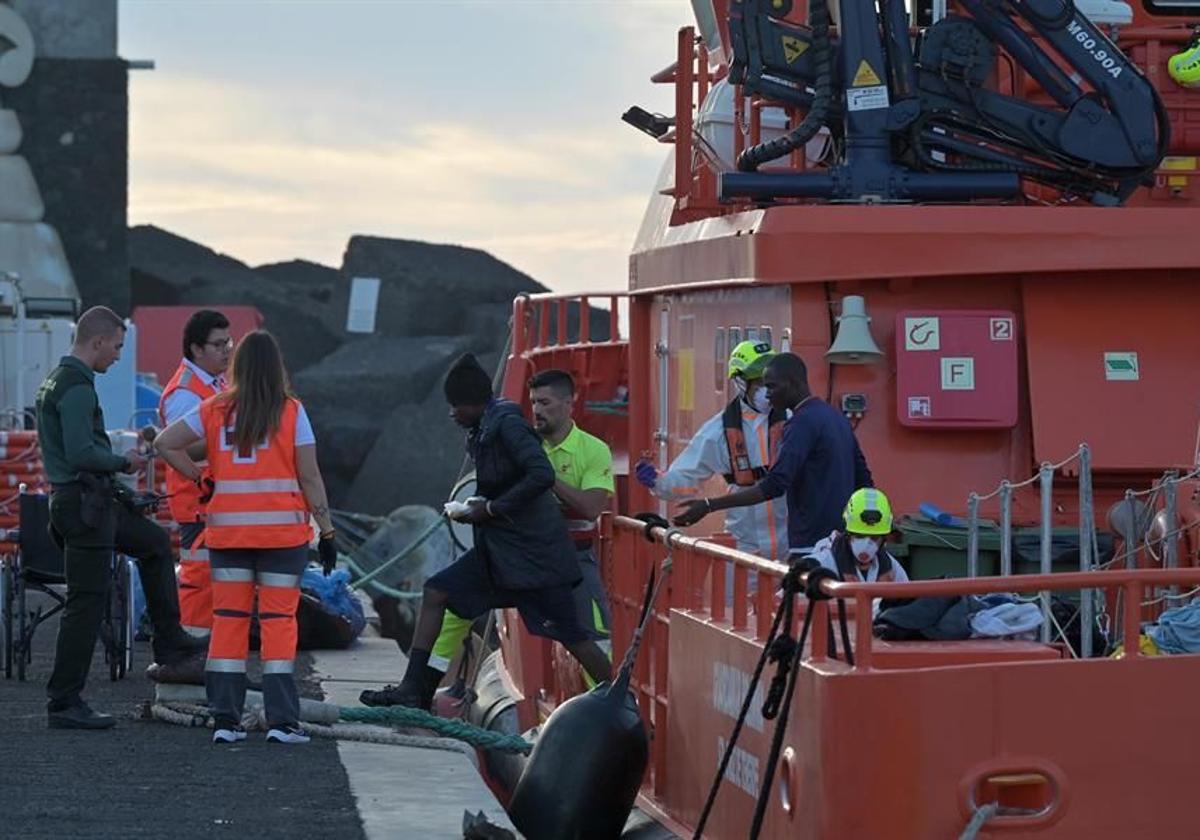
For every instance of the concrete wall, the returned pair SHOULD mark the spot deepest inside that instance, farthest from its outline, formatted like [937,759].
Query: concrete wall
[74,112]
[71,28]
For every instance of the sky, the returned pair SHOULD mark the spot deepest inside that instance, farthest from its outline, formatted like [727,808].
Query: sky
[276,129]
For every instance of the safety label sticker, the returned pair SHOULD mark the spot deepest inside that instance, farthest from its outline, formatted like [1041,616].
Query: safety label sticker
[866,98]
[865,76]
[1121,367]
[919,407]
[922,334]
[958,373]
[793,48]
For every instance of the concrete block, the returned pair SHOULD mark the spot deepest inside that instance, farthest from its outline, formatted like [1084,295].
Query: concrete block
[20,200]
[16,61]
[10,131]
[35,253]
[71,28]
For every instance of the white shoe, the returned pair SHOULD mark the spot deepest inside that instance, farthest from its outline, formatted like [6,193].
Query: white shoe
[229,736]
[287,735]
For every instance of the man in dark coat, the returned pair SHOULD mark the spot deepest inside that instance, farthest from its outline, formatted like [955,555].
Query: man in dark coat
[523,556]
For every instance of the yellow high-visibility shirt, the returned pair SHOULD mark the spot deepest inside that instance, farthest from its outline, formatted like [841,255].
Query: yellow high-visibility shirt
[582,461]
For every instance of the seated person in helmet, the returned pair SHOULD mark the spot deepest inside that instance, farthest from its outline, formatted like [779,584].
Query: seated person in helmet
[856,552]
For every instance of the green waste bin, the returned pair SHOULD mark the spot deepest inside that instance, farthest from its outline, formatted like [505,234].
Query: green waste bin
[929,550]
[1064,550]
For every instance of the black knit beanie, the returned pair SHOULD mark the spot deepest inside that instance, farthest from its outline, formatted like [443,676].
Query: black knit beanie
[468,383]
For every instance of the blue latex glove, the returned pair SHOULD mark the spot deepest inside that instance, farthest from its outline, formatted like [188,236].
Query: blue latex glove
[645,473]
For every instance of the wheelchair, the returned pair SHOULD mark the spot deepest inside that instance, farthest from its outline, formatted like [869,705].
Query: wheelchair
[38,567]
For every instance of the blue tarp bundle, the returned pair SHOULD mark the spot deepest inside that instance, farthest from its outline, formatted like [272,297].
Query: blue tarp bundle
[335,595]
[1178,630]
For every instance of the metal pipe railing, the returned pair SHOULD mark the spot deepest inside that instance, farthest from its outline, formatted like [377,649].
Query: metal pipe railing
[1005,529]
[973,535]
[1087,533]
[1170,541]
[531,320]
[1130,582]
[1046,480]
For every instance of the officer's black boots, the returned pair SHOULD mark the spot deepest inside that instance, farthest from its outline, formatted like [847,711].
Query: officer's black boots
[79,716]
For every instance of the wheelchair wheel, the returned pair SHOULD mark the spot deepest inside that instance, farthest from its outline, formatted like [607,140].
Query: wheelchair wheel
[22,644]
[117,639]
[127,630]
[6,619]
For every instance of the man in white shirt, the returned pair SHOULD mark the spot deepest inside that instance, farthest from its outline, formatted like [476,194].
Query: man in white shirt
[207,347]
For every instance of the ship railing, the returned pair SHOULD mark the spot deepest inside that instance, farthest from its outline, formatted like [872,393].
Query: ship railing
[543,321]
[1133,516]
[698,584]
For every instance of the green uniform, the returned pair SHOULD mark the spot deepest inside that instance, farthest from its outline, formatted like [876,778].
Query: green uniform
[583,461]
[73,441]
[71,424]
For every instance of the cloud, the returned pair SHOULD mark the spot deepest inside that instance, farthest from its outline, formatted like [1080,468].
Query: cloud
[228,171]
[483,124]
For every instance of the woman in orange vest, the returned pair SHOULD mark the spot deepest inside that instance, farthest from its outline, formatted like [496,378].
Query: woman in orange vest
[265,482]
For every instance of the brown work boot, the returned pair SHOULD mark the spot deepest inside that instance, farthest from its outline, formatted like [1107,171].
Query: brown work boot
[186,671]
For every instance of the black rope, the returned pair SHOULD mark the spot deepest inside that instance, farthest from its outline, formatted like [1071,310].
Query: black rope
[813,591]
[652,521]
[845,632]
[791,587]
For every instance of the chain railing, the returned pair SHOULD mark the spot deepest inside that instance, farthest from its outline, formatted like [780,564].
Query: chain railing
[1138,536]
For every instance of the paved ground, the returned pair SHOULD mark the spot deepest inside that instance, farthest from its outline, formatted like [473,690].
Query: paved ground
[148,779]
[151,780]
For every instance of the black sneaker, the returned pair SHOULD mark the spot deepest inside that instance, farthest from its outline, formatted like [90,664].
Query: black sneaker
[228,734]
[395,695]
[287,735]
[79,716]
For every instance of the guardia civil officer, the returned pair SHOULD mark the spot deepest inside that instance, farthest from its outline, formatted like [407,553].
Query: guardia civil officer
[80,464]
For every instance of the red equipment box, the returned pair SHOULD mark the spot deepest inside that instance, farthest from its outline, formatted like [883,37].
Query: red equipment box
[956,369]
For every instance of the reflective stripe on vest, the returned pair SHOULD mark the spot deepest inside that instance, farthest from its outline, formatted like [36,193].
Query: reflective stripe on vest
[257,501]
[183,496]
[226,666]
[193,555]
[741,473]
[256,517]
[258,485]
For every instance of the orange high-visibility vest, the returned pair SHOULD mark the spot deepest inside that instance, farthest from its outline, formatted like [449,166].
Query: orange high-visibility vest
[741,474]
[184,496]
[257,501]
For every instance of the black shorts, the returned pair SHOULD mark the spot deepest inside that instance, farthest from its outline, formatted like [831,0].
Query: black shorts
[549,612]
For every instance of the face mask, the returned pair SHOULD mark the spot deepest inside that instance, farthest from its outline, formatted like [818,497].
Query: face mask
[759,400]
[864,549]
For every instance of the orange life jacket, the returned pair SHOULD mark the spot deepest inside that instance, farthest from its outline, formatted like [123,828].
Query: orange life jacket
[741,474]
[183,495]
[257,501]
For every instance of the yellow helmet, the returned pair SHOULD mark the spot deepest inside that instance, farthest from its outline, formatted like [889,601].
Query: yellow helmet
[749,359]
[1184,66]
[868,513]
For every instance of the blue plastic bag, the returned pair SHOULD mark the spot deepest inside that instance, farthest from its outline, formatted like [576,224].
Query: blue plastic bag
[336,595]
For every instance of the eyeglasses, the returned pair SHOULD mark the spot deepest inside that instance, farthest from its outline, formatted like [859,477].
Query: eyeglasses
[227,343]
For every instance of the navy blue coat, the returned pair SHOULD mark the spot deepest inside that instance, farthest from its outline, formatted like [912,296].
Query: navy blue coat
[525,545]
